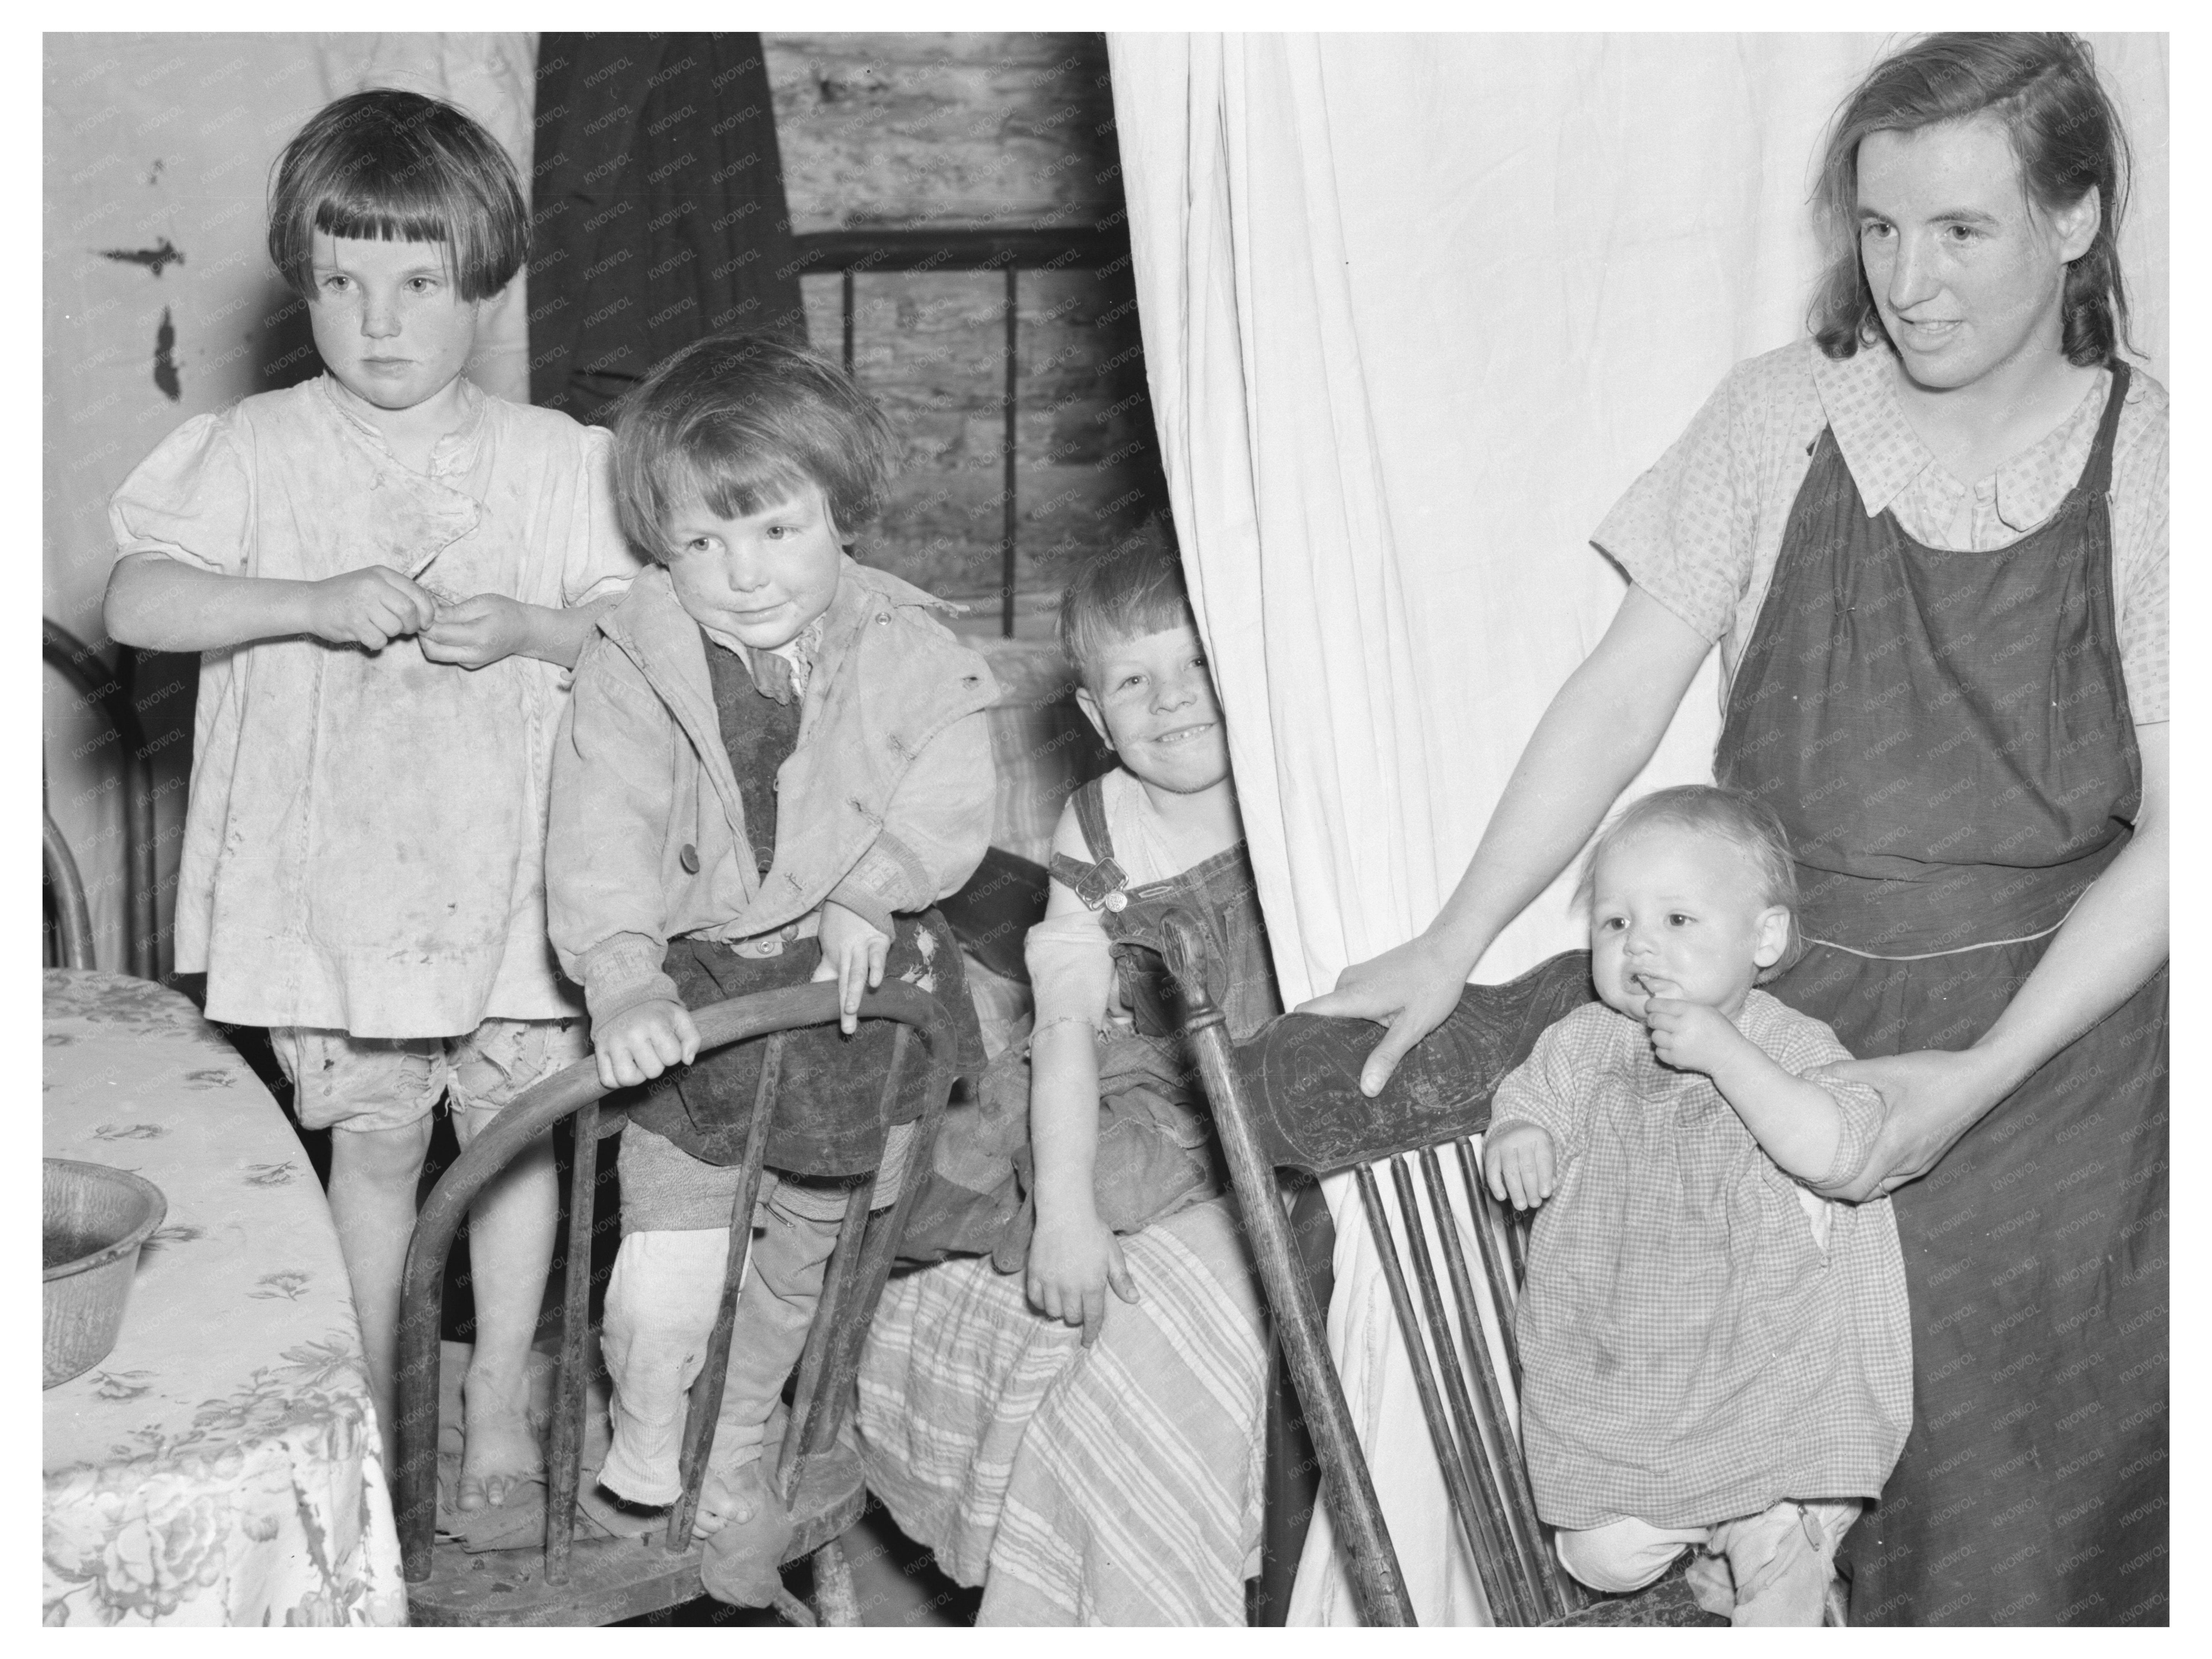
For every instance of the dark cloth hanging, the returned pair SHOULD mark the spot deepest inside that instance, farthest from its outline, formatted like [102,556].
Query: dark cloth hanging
[657,208]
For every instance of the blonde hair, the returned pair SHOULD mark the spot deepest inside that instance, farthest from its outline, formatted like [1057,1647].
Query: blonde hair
[1131,590]
[1744,822]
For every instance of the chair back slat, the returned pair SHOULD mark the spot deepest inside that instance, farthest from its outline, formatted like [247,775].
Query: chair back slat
[576,1090]
[1363,1540]
[839,1277]
[884,1230]
[1489,1239]
[564,1449]
[67,884]
[1473,1501]
[705,1404]
[1516,1249]
[1498,1447]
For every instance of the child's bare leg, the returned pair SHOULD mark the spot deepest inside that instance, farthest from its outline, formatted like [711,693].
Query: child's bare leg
[373,1172]
[1626,1554]
[511,1229]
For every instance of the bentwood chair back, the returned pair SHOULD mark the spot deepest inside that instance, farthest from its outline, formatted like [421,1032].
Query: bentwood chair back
[123,748]
[1290,1100]
[598,1580]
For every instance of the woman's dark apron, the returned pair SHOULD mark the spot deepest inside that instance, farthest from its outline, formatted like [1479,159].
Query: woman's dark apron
[1946,735]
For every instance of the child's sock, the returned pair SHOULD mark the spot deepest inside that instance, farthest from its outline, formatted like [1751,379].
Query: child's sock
[661,1301]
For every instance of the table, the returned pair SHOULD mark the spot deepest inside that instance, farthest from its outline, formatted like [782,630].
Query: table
[221,1466]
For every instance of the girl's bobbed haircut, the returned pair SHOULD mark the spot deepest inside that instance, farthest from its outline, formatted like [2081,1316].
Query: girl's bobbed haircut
[2064,132]
[1745,821]
[395,167]
[1132,589]
[743,422]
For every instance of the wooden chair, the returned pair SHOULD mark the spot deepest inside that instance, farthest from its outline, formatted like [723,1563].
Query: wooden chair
[594,1581]
[79,664]
[1280,1104]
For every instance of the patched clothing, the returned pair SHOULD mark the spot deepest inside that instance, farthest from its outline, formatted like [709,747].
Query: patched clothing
[884,804]
[1690,1352]
[364,844]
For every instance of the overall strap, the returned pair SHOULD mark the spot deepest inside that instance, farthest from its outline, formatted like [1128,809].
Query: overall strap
[1093,882]
[2097,475]
[1090,799]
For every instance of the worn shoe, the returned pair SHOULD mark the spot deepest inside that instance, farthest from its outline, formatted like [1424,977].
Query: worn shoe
[1781,1564]
[741,1563]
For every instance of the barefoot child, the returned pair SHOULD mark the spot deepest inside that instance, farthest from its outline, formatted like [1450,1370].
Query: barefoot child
[776,762]
[391,573]
[1102,1131]
[1714,1354]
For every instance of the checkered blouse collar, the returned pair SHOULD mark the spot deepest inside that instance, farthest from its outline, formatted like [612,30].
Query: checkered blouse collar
[1886,457]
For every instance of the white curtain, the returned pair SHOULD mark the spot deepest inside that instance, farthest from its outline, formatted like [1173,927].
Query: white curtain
[1416,310]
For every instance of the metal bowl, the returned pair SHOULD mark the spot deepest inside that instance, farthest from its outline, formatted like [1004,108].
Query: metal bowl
[94,1220]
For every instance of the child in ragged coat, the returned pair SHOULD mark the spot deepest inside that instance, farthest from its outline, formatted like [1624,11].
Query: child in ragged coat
[775,764]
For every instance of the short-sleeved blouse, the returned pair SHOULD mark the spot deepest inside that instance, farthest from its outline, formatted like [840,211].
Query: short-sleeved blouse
[364,846]
[1702,530]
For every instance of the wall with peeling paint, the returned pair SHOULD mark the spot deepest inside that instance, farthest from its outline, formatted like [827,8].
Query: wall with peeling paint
[161,304]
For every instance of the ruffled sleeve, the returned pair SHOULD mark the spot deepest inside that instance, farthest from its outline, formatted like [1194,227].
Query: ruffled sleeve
[600,563]
[191,499]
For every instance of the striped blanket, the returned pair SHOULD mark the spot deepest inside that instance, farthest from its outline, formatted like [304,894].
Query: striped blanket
[1117,1485]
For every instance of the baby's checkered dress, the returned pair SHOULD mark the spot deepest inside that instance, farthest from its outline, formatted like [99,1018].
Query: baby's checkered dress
[1691,1354]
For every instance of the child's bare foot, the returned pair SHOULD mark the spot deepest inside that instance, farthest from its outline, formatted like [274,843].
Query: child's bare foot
[499,1454]
[729,1496]
[746,1540]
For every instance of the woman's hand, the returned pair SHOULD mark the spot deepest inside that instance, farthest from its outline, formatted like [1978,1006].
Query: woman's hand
[853,950]
[1930,1098]
[1072,1260]
[1410,988]
[477,631]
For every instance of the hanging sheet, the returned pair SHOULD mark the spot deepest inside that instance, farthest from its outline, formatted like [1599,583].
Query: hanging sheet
[1416,310]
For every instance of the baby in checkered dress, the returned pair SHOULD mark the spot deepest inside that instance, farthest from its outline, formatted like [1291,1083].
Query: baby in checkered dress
[1716,1355]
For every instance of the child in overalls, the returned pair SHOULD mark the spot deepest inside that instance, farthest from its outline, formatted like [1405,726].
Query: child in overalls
[1714,1355]
[774,764]
[1102,1128]
[391,574]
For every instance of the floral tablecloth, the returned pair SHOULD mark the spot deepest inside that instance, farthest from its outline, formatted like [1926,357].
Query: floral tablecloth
[220,1466]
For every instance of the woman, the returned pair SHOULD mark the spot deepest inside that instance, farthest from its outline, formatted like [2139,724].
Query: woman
[1930,543]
